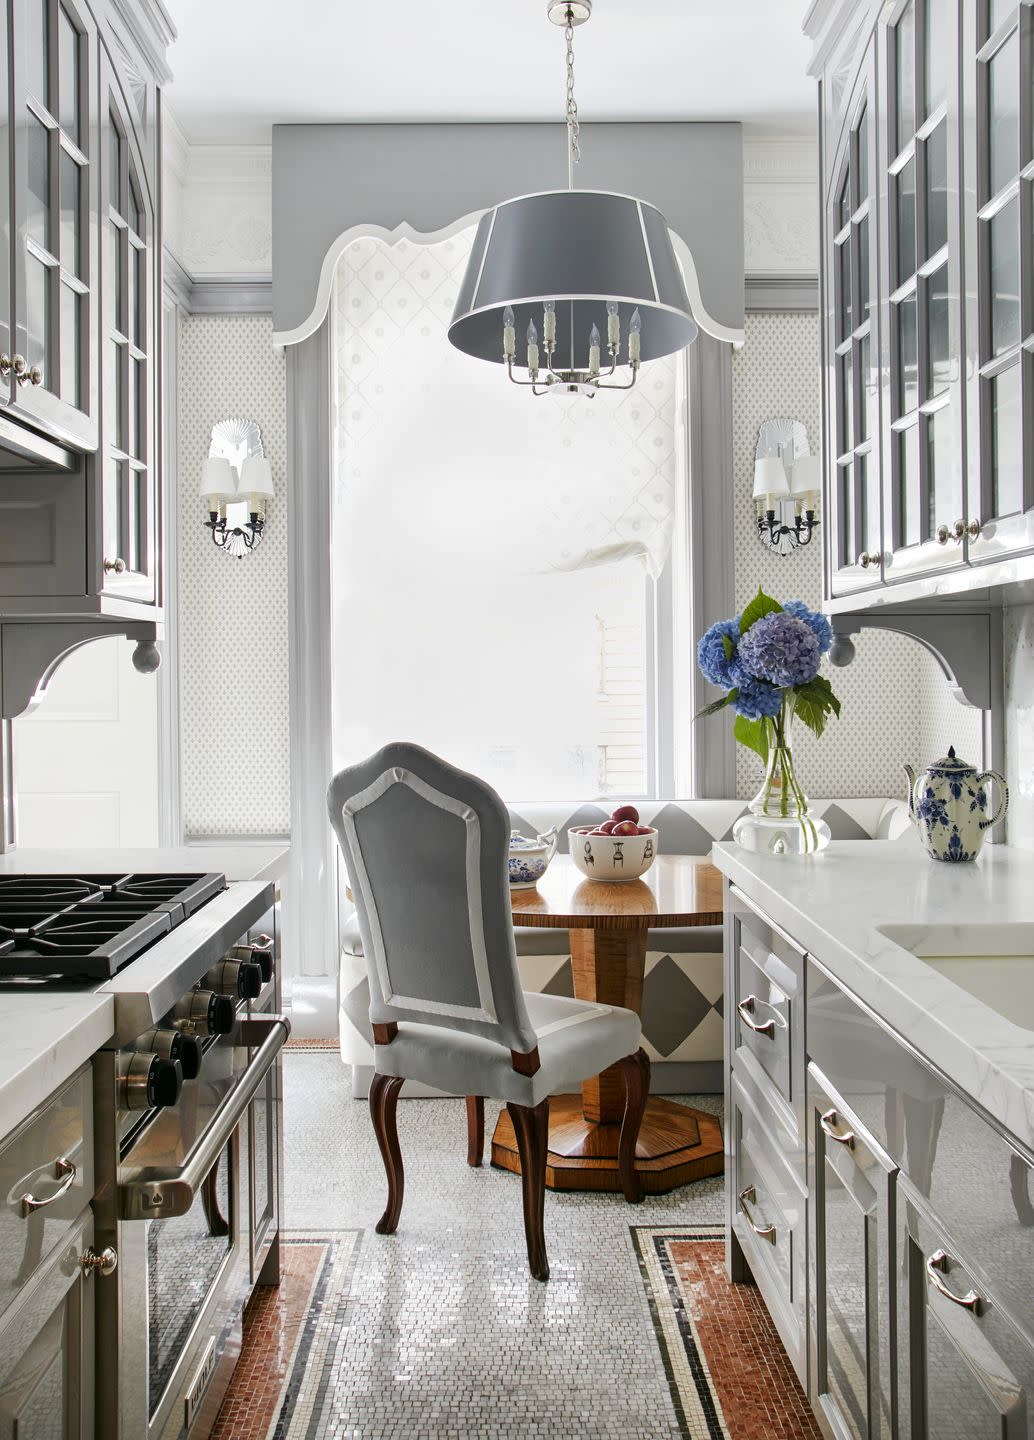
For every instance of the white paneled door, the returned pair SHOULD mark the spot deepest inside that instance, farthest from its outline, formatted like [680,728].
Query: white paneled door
[86,759]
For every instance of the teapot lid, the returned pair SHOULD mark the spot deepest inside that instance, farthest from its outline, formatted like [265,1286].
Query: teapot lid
[521,842]
[950,764]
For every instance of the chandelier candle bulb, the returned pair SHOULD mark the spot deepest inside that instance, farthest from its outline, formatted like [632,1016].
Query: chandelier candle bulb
[634,332]
[509,335]
[613,325]
[533,349]
[549,325]
[594,351]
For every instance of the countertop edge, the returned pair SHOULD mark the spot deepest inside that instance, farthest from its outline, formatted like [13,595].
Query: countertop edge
[31,1072]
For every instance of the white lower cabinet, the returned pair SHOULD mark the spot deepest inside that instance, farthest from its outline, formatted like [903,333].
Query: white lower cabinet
[47,1348]
[851,1184]
[965,1368]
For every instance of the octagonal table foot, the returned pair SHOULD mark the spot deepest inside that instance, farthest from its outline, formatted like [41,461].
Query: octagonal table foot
[676,1146]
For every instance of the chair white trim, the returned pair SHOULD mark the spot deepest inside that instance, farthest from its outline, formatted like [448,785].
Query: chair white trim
[399,776]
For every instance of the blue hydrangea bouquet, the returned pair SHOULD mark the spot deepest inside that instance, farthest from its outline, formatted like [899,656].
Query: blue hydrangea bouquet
[767,661]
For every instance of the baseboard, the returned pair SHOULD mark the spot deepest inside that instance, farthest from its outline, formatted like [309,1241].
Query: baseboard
[667,1077]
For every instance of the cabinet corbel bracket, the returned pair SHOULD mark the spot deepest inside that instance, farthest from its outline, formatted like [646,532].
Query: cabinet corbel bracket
[964,644]
[32,650]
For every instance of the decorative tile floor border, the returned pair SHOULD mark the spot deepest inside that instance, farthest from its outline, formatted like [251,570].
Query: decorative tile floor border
[324,1043]
[729,1376]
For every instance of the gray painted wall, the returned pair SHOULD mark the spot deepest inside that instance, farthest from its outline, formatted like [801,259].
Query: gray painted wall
[328,178]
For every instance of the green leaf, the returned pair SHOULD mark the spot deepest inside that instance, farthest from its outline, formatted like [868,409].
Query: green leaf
[815,702]
[716,705]
[728,647]
[753,734]
[762,604]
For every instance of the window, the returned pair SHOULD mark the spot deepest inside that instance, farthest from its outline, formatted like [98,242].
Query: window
[495,553]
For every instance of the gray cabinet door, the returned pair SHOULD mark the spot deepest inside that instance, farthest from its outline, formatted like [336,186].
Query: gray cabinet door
[46,1351]
[851,1182]
[7,382]
[54,67]
[128,563]
[965,1369]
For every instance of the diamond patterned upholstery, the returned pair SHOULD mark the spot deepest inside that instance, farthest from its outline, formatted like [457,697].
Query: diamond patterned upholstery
[682,987]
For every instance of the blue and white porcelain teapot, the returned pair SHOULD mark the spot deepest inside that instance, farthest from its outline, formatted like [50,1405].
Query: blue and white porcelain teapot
[948,803]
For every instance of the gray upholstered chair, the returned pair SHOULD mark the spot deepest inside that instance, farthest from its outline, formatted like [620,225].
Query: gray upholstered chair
[425,846]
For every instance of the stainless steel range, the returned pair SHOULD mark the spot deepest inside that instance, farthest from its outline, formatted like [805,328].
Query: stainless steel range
[187,1121]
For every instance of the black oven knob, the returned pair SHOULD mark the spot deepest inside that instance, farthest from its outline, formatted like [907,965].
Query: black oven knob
[203,1012]
[149,1081]
[260,952]
[174,1044]
[235,977]
[222,1013]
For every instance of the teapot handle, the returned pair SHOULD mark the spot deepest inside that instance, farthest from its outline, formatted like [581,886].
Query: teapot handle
[550,839]
[1003,797]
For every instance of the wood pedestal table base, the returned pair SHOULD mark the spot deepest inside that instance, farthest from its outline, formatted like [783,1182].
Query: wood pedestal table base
[608,926]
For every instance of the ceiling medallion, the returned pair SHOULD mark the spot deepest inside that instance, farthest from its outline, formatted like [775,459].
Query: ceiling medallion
[556,266]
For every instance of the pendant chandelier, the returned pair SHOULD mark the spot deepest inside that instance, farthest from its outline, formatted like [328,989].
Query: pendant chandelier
[557,272]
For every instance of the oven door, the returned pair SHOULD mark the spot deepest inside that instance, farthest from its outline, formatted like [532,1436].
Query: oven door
[185,1248]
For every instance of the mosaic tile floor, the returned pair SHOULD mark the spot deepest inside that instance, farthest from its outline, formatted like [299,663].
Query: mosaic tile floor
[446,1336]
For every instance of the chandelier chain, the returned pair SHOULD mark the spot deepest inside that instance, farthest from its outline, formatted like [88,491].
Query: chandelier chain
[574,153]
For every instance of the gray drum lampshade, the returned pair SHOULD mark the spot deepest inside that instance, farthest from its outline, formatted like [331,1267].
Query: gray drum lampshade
[581,248]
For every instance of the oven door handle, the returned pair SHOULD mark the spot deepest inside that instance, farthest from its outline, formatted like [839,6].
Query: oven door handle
[158,1194]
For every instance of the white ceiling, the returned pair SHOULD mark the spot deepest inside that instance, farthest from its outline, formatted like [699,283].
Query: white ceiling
[238,68]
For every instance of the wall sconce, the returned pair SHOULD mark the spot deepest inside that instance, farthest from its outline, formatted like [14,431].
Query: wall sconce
[787,480]
[236,483]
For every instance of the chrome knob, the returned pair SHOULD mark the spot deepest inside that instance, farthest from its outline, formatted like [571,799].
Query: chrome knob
[36,375]
[958,530]
[865,559]
[5,365]
[106,1262]
[973,529]
[942,535]
[21,369]
[116,566]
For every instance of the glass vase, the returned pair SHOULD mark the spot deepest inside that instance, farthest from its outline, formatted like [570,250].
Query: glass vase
[780,821]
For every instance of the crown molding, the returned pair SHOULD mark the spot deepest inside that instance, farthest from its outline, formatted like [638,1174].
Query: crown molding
[153,29]
[215,294]
[780,160]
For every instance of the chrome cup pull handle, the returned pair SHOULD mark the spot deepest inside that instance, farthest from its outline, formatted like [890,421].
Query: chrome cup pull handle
[829,1122]
[747,1197]
[938,1265]
[64,1171]
[745,1010]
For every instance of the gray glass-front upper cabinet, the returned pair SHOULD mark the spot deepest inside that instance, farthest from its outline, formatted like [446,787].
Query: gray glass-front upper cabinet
[930,390]
[128,489]
[52,375]
[998,58]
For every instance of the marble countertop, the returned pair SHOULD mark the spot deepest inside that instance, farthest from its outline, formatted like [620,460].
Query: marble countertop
[833,904]
[46,1038]
[236,862]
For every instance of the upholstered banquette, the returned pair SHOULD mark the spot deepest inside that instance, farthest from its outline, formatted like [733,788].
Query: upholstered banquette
[682,991]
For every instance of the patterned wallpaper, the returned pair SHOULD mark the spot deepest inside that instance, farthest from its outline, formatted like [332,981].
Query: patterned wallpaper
[232,613]
[1018,646]
[893,689]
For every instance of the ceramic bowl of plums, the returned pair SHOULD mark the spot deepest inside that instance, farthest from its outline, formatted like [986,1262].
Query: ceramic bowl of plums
[616,849]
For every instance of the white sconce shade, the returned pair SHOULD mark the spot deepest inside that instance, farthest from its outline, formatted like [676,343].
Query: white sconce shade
[256,477]
[806,477]
[217,479]
[770,479]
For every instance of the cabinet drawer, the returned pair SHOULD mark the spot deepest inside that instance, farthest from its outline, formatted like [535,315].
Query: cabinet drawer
[769,1212]
[767,988]
[46,1177]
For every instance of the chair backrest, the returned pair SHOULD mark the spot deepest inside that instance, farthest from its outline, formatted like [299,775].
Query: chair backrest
[425,846]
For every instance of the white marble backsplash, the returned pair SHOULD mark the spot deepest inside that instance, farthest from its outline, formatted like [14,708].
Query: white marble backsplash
[1018,656]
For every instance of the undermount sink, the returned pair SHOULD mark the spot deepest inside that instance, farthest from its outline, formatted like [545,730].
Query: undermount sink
[994,963]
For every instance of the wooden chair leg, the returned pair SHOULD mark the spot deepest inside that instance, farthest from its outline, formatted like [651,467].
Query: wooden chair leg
[384,1096]
[636,1070]
[531,1126]
[475,1130]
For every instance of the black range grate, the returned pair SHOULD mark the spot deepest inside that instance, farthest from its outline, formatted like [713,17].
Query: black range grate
[89,926]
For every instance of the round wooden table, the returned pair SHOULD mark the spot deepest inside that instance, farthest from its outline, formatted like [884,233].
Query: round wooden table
[608,924]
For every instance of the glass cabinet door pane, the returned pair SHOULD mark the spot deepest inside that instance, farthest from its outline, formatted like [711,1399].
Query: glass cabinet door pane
[136,209]
[37,48]
[138,407]
[998,12]
[910,520]
[1007,454]
[118,400]
[864,296]
[37,190]
[68,75]
[862,156]
[70,248]
[846,439]
[908,356]
[904,74]
[1005,277]
[1003,121]
[865,389]
[937,189]
[849,549]
[138,259]
[938,17]
[70,341]
[905,187]
[938,355]
[37,311]
[846,324]
[115,196]
[844,203]
[944,502]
